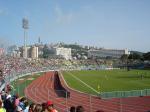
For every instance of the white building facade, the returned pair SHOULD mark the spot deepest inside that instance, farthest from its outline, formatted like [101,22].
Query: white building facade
[16,53]
[30,52]
[25,52]
[34,52]
[64,52]
[103,53]
[2,51]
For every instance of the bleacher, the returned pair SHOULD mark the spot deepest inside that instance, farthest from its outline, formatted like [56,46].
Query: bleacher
[52,87]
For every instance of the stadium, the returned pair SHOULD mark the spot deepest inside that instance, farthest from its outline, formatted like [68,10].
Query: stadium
[74,56]
[106,90]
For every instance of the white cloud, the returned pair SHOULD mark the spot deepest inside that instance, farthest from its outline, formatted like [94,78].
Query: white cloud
[61,17]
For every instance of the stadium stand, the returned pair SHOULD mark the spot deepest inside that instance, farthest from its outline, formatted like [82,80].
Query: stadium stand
[51,86]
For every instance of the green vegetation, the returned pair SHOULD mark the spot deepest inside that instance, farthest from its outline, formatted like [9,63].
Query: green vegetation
[147,56]
[108,80]
[20,84]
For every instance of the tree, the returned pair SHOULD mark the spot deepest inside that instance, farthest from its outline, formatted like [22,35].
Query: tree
[146,56]
[45,51]
[135,56]
[124,58]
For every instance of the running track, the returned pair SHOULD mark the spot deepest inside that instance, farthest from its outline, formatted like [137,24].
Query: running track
[44,89]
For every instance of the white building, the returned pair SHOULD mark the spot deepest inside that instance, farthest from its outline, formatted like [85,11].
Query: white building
[25,52]
[16,53]
[2,51]
[34,52]
[64,52]
[103,53]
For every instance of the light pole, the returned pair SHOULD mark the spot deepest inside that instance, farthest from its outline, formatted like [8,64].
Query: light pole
[25,26]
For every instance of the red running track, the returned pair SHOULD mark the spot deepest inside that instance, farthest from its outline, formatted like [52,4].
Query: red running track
[44,88]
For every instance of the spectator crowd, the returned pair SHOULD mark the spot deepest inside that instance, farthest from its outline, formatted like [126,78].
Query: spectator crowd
[11,67]
[14,103]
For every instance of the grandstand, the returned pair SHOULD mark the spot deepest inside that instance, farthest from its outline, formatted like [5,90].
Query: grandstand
[50,85]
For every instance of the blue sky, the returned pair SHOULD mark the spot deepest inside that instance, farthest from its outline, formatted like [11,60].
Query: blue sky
[115,24]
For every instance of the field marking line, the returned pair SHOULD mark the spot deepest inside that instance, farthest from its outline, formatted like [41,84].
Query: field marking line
[83,82]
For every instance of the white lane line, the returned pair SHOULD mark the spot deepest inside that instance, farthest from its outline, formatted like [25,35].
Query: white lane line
[83,82]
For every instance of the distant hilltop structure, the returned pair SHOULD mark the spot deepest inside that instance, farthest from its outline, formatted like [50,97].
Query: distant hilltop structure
[64,52]
[103,53]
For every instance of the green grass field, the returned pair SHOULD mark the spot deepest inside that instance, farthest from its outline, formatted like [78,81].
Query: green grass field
[20,84]
[108,80]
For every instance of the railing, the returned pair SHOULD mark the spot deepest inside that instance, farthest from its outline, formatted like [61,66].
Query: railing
[13,76]
[116,103]
[123,94]
[90,103]
[58,97]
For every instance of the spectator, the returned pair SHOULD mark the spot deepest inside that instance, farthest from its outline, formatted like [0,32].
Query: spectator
[43,107]
[50,107]
[26,106]
[1,107]
[72,109]
[8,104]
[32,107]
[1,73]
[79,109]
[22,103]
[99,111]
[3,96]
[38,108]
[19,109]
[16,100]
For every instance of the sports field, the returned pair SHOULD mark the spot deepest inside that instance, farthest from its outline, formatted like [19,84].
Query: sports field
[20,84]
[97,81]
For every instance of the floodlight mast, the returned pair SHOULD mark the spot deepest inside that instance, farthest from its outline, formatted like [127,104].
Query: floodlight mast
[25,26]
